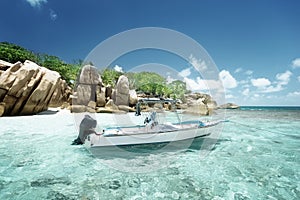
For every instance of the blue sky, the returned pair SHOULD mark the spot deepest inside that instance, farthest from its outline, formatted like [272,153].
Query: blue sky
[255,44]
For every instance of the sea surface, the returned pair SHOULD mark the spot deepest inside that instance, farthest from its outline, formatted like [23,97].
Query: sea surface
[255,154]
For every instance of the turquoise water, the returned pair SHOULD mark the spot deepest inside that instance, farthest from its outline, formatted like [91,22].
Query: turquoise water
[257,156]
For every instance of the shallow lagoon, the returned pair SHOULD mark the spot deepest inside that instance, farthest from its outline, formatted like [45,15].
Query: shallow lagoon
[257,156]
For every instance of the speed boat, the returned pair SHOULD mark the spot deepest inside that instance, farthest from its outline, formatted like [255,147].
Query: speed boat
[152,132]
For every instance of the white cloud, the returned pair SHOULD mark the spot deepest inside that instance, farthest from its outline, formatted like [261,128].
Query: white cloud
[36,3]
[265,86]
[284,78]
[185,72]
[227,79]
[229,96]
[170,79]
[271,88]
[294,94]
[246,92]
[249,72]
[197,63]
[298,78]
[200,84]
[296,63]
[260,82]
[195,85]
[53,15]
[244,83]
[118,68]
[238,70]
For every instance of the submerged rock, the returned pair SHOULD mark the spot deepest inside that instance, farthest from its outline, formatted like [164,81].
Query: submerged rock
[53,195]
[115,184]
[112,184]
[134,182]
[50,180]
[2,184]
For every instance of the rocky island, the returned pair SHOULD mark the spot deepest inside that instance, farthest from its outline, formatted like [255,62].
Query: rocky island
[27,88]
[31,83]
[229,106]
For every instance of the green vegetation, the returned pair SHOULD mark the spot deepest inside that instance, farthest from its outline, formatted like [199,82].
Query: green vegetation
[178,89]
[13,53]
[110,76]
[147,82]
[156,85]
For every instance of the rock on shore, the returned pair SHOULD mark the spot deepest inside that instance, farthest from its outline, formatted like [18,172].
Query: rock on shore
[28,88]
[229,106]
[200,104]
[122,91]
[91,91]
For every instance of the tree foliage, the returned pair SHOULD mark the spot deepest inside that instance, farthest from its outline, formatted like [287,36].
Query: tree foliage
[178,89]
[147,82]
[110,76]
[13,53]
[156,85]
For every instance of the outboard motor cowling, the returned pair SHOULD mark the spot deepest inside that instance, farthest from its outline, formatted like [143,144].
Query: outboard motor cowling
[87,126]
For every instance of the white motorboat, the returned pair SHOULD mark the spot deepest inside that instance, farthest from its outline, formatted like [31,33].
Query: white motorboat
[153,131]
[150,133]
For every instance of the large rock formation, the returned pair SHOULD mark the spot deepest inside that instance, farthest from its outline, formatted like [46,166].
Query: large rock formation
[122,91]
[28,88]
[229,106]
[88,91]
[108,92]
[133,98]
[100,94]
[198,103]
[88,82]
[60,95]
[4,65]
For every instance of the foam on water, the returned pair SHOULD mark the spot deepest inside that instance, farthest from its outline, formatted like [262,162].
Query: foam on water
[257,156]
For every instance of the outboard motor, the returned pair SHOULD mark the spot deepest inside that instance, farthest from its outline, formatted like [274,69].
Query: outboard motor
[87,127]
[151,121]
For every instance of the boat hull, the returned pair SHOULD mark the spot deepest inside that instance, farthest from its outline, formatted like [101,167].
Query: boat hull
[97,141]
